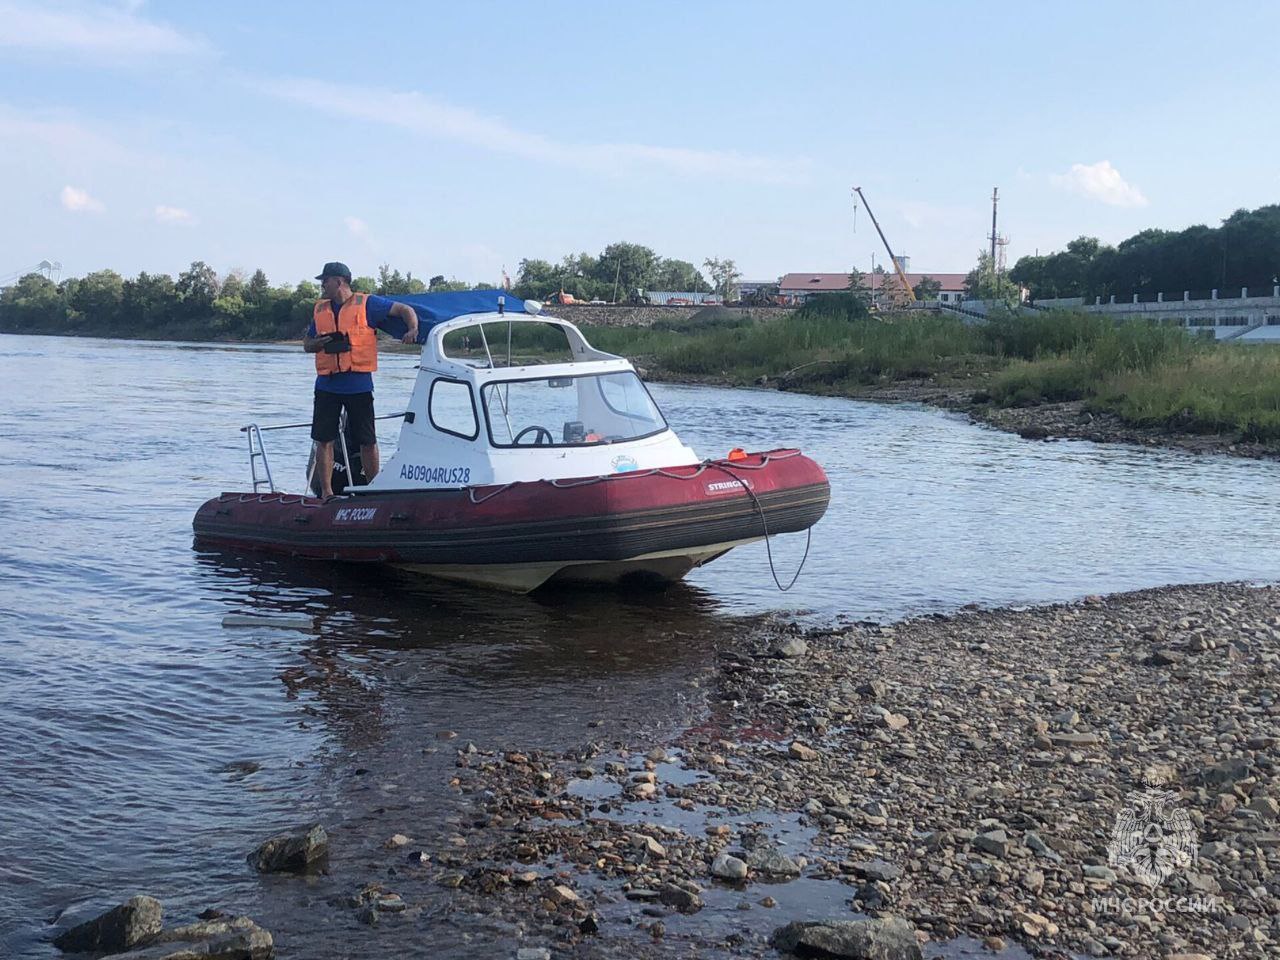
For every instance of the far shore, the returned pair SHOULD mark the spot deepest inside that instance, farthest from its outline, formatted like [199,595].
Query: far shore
[1042,422]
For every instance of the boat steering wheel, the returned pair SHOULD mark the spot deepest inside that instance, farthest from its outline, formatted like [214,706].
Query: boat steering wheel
[541,435]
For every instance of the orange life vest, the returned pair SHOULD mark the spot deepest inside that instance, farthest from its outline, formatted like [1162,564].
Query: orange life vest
[351,320]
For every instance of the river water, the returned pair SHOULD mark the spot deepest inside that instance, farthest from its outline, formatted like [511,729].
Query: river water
[148,748]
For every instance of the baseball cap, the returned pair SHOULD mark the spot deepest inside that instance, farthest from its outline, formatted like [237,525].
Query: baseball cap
[335,269]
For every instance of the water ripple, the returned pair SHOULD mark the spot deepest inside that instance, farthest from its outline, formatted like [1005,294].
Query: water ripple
[147,748]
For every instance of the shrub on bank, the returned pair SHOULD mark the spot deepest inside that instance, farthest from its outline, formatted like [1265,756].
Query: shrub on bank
[1049,380]
[1222,388]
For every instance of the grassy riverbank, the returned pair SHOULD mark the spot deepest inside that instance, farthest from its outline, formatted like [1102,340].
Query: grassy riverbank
[1146,376]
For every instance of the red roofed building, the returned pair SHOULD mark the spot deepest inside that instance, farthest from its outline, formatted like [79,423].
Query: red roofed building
[796,287]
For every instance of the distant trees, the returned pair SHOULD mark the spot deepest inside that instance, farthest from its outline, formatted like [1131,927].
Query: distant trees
[984,282]
[679,275]
[1243,252]
[927,289]
[859,291]
[724,274]
[198,304]
[33,303]
[195,305]
[197,288]
[391,283]
[619,272]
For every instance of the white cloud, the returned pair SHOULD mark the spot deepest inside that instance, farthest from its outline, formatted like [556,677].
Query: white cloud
[1099,181]
[430,117]
[79,201]
[69,141]
[357,227]
[164,214]
[91,30]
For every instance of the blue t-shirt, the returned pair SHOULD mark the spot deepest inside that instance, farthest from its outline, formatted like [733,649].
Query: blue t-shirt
[376,310]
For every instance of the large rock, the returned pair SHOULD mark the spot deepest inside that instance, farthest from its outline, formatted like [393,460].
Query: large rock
[877,870]
[226,938]
[1225,772]
[728,867]
[120,928]
[291,852]
[772,862]
[686,901]
[886,938]
[792,648]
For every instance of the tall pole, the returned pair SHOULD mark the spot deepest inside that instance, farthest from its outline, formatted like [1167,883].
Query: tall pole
[995,196]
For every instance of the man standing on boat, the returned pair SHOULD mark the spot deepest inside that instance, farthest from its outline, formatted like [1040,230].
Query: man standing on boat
[343,337]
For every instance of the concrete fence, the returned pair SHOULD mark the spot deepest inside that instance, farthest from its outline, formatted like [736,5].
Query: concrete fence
[1247,318]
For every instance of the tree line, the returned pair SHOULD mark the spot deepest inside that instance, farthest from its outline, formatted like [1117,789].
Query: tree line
[1243,252]
[620,272]
[198,304]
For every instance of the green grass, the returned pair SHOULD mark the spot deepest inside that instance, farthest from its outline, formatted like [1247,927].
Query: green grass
[1232,388]
[861,350]
[1148,375]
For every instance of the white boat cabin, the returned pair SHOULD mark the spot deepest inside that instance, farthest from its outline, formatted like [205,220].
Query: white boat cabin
[483,411]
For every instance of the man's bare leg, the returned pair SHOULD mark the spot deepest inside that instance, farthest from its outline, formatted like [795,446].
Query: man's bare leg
[369,459]
[324,466]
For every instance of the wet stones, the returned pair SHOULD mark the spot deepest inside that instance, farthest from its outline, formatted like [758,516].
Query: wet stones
[291,852]
[135,927]
[373,900]
[875,870]
[987,814]
[728,867]
[887,938]
[120,928]
[224,938]
[559,893]
[684,897]
[649,846]
[772,862]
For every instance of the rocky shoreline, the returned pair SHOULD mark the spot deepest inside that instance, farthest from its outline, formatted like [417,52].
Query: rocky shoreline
[1088,779]
[969,775]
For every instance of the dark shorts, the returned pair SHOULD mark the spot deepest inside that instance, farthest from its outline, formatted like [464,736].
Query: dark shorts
[324,417]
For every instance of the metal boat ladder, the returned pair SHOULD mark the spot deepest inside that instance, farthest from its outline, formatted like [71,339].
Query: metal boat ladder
[258,452]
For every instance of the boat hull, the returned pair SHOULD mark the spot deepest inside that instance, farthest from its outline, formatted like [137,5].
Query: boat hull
[652,524]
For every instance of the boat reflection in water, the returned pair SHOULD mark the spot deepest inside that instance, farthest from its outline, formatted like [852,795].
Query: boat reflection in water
[518,668]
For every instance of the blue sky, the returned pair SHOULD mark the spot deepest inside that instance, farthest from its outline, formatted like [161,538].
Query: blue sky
[459,138]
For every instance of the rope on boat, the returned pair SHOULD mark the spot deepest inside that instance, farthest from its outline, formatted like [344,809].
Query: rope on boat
[702,468]
[808,534]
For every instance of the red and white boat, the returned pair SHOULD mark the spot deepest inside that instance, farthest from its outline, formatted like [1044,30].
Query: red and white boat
[513,474]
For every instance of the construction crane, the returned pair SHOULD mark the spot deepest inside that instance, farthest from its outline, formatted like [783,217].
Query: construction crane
[910,295]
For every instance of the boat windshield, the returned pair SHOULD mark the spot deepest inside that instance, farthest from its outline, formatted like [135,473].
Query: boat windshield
[570,411]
